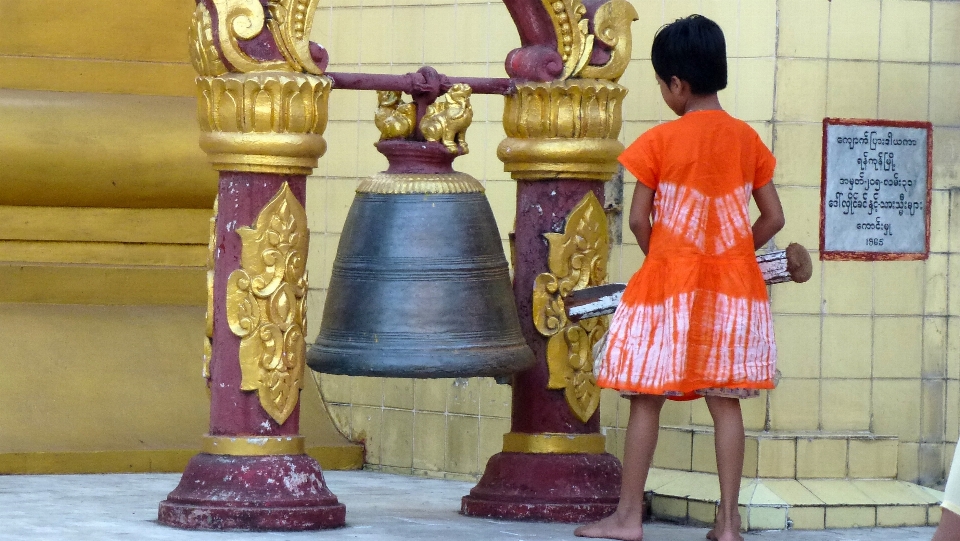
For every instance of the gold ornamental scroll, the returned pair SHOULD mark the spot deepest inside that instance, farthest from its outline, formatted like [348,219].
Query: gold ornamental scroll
[266,304]
[575,43]
[577,259]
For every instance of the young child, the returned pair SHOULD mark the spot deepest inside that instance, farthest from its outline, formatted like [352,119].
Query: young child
[695,320]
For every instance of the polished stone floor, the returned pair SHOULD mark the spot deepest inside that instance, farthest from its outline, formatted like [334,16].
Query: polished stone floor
[380,507]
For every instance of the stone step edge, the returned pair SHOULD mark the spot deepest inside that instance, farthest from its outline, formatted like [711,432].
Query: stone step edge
[808,504]
[786,435]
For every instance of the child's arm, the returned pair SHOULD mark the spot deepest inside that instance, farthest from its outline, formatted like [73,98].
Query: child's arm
[771,218]
[640,210]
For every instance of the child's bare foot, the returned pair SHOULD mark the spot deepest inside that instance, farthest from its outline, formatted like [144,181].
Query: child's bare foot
[721,532]
[629,528]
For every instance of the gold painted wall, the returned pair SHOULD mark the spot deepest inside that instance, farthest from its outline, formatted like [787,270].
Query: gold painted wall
[105,205]
[866,349]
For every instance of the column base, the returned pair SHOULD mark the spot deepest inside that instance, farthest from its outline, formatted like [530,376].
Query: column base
[546,487]
[276,492]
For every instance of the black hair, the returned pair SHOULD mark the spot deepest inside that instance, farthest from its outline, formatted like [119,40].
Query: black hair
[693,50]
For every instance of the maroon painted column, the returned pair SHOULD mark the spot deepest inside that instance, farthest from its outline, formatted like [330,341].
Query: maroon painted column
[561,146]
[262,112]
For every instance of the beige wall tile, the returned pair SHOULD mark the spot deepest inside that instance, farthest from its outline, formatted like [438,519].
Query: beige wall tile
[855,29]
[905,31]
[845,405]
[755,412]
[939,220]
[463,396]
[336,389]
[676,9]
[819,458]
[728,15]
[342,417]
[398,393]
[934,348]
[851,517]
[330,244]
[704,454]
[798,345]
[933,395]
[642,102]
[376,35]
[777,458]
[953,348]
[673,413]
[367,391]
[472,32]
[799,298]
[614,441]
[315,300]
[799,151]
[846,347]
[952,420]
[342,148]
[409,24]
[807,518]
[504,38]
[945,38]
[795,405]
[803,28]
[848,287]
[852,89]
[343,30]
[903,88]
[768,518]
[674,450]
[495,399]
[801,206]
[502,195]
[366,423]
[430,394]
[758,28]
[441,34]
[873,459]
[908,465]
[801,89]
[937,288]
[491,437]
[396,448]
[700,414]
[931,464]
[754,99]
[609,400]
[370,161]
[340,194]
[898,347]
[463,444]
[901,515]
[429,441]
[946,164]
[896,408]
[944,81]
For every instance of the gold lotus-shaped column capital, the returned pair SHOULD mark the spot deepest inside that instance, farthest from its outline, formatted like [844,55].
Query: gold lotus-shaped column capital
[563,130]
[263,122]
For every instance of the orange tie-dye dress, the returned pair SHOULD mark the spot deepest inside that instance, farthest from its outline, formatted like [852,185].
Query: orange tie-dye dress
[695,319]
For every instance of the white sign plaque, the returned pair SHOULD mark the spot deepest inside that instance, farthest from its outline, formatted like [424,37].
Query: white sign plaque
[875,190]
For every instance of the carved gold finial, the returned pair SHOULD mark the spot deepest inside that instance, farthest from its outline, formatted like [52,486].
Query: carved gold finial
[447,121]
[575,42]
[611,25]
[394,119]
[566,129]
[266,304]
[263,122]
[577,259]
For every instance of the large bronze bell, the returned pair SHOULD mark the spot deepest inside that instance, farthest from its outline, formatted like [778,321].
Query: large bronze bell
[420,286]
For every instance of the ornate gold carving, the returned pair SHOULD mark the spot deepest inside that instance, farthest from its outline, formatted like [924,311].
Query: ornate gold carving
[565,129]
[211,261]
[408,183]
[253,445]
[447,121]
[263,122]
[394,119]
[611,25]
[554,443]
[290,22]
[203,52]
[577,259]
[266,304]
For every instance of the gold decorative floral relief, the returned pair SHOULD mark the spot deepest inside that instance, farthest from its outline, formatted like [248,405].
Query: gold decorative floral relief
[266,304]
[611,25]
[203,52]
[211,261]
[577,259]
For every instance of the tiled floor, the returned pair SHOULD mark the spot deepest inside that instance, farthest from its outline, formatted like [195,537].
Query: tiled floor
[380,507]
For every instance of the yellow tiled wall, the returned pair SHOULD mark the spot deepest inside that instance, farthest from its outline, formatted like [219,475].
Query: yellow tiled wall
[864,347]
